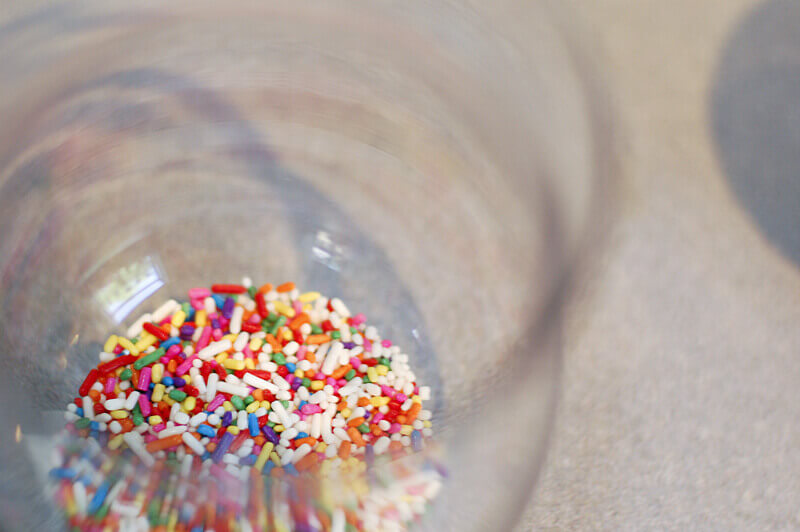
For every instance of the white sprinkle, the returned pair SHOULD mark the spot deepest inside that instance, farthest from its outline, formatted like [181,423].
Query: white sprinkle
[136,444]
[301,452]
[114,404]
[382,445]
[115,427]
[231,459]
[233,389]
[280,382]
[342,434]
[105,357]
[241,341]
[198,382]
[291,348]
[81,500]
[209,305]
[261,412]
[165,310]
[340,308]
[172,431]
[136,327]
[332,358]
[236,319]
[372,389]
[258,382]
[214,419]
[384,425]
[316,426]
[214,349]
[181,418]
[241,421]
[197,419]
[302,393]
[290,434]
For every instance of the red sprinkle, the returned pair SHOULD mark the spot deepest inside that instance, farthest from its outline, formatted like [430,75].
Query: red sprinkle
[228,289]
[90,379]
[158,332]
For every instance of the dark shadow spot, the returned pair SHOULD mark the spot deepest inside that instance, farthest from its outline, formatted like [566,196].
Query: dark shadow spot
[755,115]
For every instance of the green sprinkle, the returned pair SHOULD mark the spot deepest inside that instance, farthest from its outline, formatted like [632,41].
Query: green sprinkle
[177,395]
[277,325]
[279,359]
[350,374]
[186,308]
[149,359]
[272,316]
[306,382]
[270,424]
[102,512]
[249,399]
[353,330]
[285,404]
[366,379]
[126,374]
[316,329]
[138,418]
[265,325]
[230,371]
[252,292]
[384,361]
[363,428]
[83,422]
[237,402]
[336,335]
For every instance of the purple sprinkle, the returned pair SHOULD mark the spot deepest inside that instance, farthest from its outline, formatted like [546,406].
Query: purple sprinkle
[222,447]
[215,323]
[270,434]
[227,418]
[227,308]
[296,384]
[178,382]
[349,345]
[186,331]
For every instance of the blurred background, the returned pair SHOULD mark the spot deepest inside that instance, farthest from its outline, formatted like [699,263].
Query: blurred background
[680,399]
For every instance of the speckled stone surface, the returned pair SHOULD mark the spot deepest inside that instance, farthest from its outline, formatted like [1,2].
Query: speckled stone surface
[681,380]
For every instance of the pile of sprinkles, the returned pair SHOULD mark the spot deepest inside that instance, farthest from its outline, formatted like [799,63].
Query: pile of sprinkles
[190,415]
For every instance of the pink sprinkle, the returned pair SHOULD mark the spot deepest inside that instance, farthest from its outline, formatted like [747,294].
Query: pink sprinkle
[174,350]
[185,366]
[358,319]
[197,304]
[331,381]
[205,336]
[165,359]
[247,352]
[386,343]
[149,437]
[256,450]
[355,362]
[298,307]
[159,427]
[290,378]
[144,379]
[118,350]
[388,391]
[110,383]
[319,376]
[216,402]
[377,417]
[309,409]
[400,398]
[367,346]
[395,428]
[416,490]
[217,334]
[301,353]
[199,293]
[223,322]
[213,315]
[416,390]
[144,405]
[255,318]
[166,320]
[341,382]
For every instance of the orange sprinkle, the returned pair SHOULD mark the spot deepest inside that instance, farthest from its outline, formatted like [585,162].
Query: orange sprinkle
[316,339]
[402,419]
[310,372]
[307,462]
[344,450]
[265,288]
[339,373]
[172,365]
[309,440]
[356,436]
[246,316]
[126,423]
[299,320]
[277,472]
[376,430]
[341,405]
[211,446]
[363,401]
[258,395]
[396,446]
[276,345]
[355,421]
[164,444]
[311,357]
[285,287]
[95,395]
[259,440]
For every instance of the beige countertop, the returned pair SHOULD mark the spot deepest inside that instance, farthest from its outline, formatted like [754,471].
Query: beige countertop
[680,400]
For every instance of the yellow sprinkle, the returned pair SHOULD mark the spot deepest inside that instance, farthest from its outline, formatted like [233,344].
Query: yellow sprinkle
[382,370]
[427,424]
[287,334]
[119,414]
[252,407]
[346,413]
[317,385]
[110,344]
[145,341]
[178,318]
[265,405]
[222,357]
[169,400]
[158,372]
[189,403]
[235,365]
[158,392]
[321,446]
[115,442]
[173,520]
[255,344]
[233,429]
[283,308]
[227,406]
[372,374]
[278,428]
[275,458]
[154,420]
[375,401]
[127,344]
[416,399]
[249,364]
[308,297]
[71,508]
[406,430]
[263,456]
[200,318]
[231,337]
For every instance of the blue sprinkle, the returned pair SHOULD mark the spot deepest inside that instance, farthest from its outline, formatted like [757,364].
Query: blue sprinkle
[166,381]
[190,315]
[206,456]
[248,460]
[369,455]
[79,411]
[416,440]
[62,472]
[268,467]
[99,497]
[301,435]
[94,425]
[218,300]
[166,344]
[252,424]
[206,430]
[290,469]
[302,404]
[291,367]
